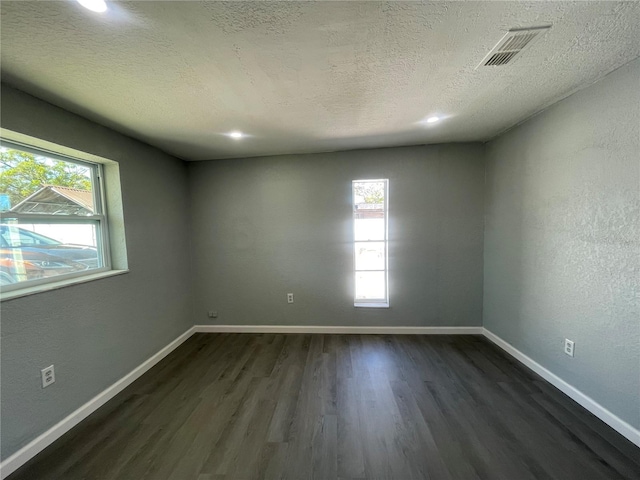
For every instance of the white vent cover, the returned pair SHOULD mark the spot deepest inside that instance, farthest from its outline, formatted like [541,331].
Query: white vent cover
[511,45]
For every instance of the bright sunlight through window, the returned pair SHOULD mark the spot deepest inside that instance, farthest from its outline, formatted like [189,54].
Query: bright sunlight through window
[370,220]
[53,221]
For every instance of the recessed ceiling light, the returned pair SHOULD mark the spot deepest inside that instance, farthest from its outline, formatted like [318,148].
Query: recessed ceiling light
[94,5]
[433,119]
[237,135]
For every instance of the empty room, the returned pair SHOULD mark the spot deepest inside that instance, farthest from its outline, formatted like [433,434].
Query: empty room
[333,240]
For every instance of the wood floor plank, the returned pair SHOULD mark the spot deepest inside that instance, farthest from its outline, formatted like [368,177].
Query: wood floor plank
[338,407]
[350,449]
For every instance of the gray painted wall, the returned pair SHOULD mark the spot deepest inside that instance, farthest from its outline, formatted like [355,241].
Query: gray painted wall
[562,251]
[266,226]
[96,332]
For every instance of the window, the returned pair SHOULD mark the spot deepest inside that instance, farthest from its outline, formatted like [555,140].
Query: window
[53,222]
[370,220]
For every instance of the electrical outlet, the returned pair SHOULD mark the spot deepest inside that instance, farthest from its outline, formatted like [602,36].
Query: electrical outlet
[213,314]
[48,376]
[568,347]
[289,297]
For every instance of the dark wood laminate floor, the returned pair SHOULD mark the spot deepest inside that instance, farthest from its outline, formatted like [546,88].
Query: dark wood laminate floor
[245,406]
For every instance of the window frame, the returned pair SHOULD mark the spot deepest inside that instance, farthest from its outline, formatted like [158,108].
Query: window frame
[98,219]
[371,303]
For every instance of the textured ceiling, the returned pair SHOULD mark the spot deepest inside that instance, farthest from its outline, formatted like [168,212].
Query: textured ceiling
[307,77]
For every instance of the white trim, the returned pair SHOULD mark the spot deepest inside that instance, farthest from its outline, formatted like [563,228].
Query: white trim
[380,303]
[47,287]
[41,442]
[615,422]
[338,329]
[371,305]
[34,447]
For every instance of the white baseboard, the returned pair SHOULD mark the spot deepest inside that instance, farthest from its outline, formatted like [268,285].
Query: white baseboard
[619,425]
[41,442]
[339,329]
[38,444]
[34,447]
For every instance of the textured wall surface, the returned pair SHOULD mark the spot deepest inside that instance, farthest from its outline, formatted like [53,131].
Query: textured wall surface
[307,76]
[267,226]
[96,332]
[562,240]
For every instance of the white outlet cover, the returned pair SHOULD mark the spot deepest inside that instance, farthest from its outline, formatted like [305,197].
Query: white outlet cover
[569,347]
[48,376]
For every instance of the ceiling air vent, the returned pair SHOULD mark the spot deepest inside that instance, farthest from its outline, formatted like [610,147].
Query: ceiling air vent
[511,45]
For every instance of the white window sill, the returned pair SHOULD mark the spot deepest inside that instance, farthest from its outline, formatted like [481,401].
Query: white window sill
[371,305]
[47,287]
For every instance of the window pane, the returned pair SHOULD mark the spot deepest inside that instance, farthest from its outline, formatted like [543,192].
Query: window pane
[36,251]
[31,183]
[369,229]
[367,192]
[370,236]
[370,286]
[368,210]
[369,255]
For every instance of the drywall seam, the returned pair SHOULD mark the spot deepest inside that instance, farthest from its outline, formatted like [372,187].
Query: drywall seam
[336,329]
[615,422]
[41,442]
